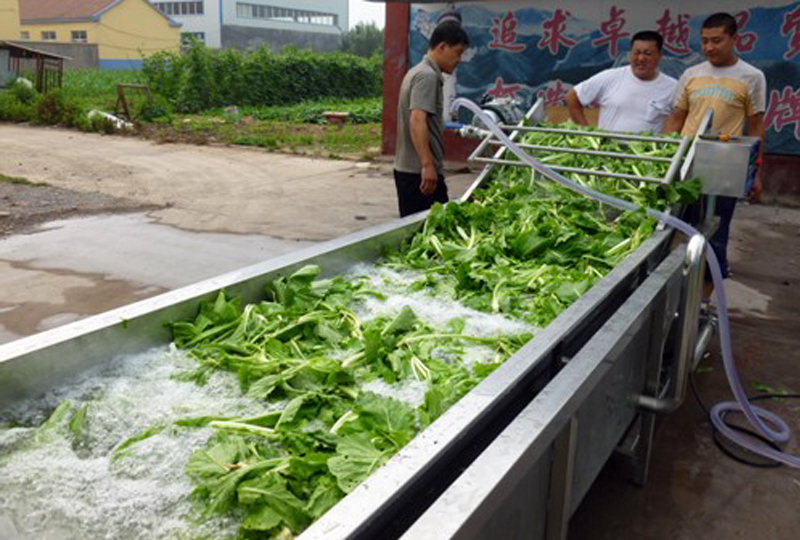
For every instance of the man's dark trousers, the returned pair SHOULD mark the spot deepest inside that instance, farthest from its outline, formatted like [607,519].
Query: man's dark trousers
[410,199]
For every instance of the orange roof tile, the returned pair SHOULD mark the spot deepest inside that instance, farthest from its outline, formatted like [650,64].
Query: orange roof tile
[33,10]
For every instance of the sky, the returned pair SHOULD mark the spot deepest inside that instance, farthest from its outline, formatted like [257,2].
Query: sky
[363,11]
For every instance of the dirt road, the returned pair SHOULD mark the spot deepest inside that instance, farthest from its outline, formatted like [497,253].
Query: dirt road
[207,188]
[181,204]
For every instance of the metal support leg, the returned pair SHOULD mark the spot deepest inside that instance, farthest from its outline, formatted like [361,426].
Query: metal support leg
[641,461]
[561,472]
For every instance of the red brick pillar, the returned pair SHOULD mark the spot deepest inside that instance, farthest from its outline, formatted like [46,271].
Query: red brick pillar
[395,65]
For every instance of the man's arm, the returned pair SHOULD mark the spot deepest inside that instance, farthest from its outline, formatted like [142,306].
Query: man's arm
[421,139]
[674,123]
[575,108]
[755,128]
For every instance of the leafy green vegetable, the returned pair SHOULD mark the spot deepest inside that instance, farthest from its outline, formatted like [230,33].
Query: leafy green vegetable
[521,248]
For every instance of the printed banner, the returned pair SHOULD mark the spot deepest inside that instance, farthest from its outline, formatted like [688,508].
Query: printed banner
[531,49]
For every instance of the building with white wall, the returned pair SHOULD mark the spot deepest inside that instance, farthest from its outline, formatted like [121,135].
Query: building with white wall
[247,24]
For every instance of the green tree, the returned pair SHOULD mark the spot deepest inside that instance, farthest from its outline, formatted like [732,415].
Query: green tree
[363,40]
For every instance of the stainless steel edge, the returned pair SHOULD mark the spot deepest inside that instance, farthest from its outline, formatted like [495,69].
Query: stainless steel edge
[601,134]
[677,159]
[583,151]
[531,116]
[686,338]
[472,500]
[415,460]
[34,364]
[587,172]
[705,125]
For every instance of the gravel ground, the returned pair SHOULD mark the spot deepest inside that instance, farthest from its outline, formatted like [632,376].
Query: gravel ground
[24,206]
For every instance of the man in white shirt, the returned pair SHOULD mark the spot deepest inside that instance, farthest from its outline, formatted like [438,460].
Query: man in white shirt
[633,98]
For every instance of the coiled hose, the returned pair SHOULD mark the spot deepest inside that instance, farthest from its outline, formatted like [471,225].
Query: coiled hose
[759,418]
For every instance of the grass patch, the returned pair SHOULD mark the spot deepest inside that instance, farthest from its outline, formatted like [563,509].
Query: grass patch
[361,111]
[19,180]
[298,128]
[350,141]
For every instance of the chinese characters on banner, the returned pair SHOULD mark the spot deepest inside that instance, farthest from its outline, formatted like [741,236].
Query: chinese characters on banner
[526,50]
[501,90]
[611,29]
[745,41]
[784,110]
[675,31]
[554,32]
[791,30]
[505,37]
[554,94]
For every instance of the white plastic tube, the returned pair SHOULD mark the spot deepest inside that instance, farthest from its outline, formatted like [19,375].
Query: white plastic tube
[779,431]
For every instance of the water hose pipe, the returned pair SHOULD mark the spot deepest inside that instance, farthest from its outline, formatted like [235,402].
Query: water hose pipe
[759,418]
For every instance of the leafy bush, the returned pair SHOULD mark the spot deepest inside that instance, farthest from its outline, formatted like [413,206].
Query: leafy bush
[157,108]
[13,110]
[24,92]
[50,108]
[362,111]
[364,39]
[201,78]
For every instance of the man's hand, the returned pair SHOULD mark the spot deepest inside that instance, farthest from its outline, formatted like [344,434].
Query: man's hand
[754,195]
[575,108]
[429,179]
[674,123]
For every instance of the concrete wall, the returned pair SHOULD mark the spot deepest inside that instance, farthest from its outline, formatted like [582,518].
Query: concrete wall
[123,35]
[209,22]
[83,55]
[134,29]
[9,19]
[338,7]
[218,14]
[781,180]
[248,39]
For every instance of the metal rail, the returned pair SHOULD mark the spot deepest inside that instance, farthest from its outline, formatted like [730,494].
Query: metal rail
[705,124]
[588,172]
[534,114]
[693,270]
[676,161]
[581,151]
[601,134]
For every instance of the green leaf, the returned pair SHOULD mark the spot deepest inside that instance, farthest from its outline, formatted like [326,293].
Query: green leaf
[402,322]
[291,410]
[270,491]
[357,458]
[326,494]
[388,417]
[262,519]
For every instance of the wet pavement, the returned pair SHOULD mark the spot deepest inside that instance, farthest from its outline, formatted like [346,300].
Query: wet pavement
[76,267]
[694,491]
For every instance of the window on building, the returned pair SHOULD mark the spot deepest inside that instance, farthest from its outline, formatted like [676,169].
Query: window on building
[48,36]
[180,8]
[254,11]
[188,37]
[79,36]
[24,35]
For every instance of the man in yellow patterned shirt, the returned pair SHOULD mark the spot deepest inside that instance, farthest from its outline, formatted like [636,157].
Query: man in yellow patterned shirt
[737,94]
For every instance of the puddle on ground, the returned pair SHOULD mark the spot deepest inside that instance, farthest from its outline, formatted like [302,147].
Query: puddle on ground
[72,268]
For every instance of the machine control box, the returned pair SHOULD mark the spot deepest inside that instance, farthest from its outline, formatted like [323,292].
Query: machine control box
[726,166]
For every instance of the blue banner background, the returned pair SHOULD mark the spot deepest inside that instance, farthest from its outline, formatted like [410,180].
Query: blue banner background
[535,71]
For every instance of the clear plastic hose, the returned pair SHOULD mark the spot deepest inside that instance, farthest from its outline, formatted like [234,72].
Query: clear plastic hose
[779,431]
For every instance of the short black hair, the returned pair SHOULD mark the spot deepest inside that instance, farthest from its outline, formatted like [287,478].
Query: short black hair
[449,32]
[649,35]
[722,20]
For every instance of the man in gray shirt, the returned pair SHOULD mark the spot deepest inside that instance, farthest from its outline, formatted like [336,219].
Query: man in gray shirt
[419,154]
